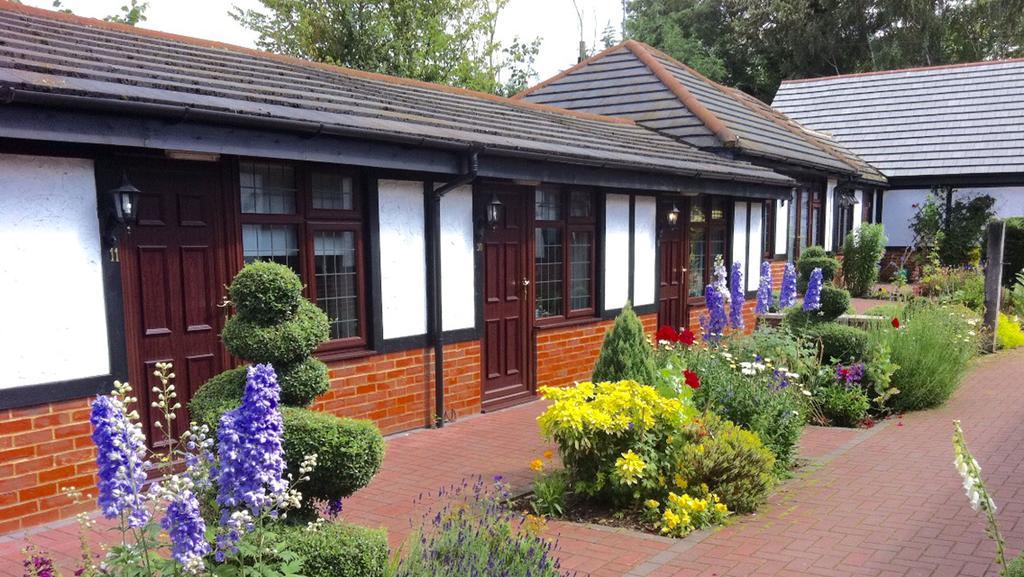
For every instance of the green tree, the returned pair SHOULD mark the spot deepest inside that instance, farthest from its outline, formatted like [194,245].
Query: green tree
[625,352]
[444,41]
[131,13]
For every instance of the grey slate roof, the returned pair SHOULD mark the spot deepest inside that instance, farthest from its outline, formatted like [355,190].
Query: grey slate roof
[44,51]
[945,120]
[636,81]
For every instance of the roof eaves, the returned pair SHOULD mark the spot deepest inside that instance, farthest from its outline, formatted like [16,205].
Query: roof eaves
[725,135]
[902,70]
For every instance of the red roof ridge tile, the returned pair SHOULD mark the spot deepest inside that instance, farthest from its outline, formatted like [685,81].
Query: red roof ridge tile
[907,69]
[9,6]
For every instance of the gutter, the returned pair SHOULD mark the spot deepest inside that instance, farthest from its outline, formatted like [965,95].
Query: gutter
[434,268]
[177,113]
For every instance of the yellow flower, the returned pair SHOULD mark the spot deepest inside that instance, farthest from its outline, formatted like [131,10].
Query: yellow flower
[661,480]
[680,481]
[721,508]
[630,467]
[700,505]
[549,454]
[537,465]
[669,520]
[652,504]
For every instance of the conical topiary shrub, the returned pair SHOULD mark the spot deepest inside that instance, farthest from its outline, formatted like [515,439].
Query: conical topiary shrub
[274,324]
[625,352]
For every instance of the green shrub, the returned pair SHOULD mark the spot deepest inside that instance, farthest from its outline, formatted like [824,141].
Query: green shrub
[284,343]
[1015,568]
[625,353]
[811,258]
[842,342]
[1008,333]
[265,293]
[834,303]
[302,383]
[349,451]
[843,406]
[731,461]
[863,250]
[795,318]
[776,416]
[339,550]
[1015,295]
[931,349]
[221,393]
[965,223]
[1013,249]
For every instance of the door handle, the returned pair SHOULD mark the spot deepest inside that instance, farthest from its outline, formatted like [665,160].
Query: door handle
[525,283]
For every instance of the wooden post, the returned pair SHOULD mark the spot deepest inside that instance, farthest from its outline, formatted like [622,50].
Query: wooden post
[996,234]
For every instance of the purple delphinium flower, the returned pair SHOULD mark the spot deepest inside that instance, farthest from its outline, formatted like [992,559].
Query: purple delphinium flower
[812,298]
[713,324]
[250,452]
[187,530]
[121,461]
[764,289]
[787,297]
[736,296]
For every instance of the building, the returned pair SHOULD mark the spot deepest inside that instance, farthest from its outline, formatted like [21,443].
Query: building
[504,235]
[959,126]
[633,80]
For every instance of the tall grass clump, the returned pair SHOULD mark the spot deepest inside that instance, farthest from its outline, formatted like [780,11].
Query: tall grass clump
[931,347]
[862,251]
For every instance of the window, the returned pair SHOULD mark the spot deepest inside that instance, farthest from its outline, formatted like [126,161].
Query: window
[807,217]
[868,208]
[768,229]
[307,217]
[564,240]
[709,234]
[846,203]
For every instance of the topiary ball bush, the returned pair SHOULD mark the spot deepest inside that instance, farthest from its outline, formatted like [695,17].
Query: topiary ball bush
[221,393]
[265,293]
[302,383]
[834,303]
[732,462]
[339,550]
[842,342]
[281,344]
[349,451]
[806,265]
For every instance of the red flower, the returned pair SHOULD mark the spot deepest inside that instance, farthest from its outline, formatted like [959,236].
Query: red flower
[687,337]
[895,323]
[666,333]
[691,379]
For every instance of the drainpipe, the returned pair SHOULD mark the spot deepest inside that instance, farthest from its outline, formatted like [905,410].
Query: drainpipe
[434,255]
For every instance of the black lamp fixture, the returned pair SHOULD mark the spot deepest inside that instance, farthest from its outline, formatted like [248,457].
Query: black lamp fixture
[125,199]
[673,216]
[493,211]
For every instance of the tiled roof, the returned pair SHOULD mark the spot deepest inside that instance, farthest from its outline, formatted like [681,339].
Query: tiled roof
[44,51]
[635,81]
[943,120]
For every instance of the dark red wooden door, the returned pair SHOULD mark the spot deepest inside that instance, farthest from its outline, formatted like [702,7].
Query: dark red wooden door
[672,261]
[172,270]
[506,291]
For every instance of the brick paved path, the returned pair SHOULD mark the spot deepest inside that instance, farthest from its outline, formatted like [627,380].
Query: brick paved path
[881,502]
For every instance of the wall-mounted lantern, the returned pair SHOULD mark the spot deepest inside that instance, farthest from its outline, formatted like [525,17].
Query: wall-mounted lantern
[493,211]
[125,199]
[673,216]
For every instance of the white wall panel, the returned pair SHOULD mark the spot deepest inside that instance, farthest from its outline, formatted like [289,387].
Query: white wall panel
[781,226]
[51,278]
[644,250]
[616,250]
[402,259]
[458,298]
[858,210]
[830,203]
[755,250]
[739,237]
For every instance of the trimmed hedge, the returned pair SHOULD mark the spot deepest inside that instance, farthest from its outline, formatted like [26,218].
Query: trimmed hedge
[339,550]
[302,383]
[836,341]
[834,303]
[220,394]
[266,293]
[281,344]
[811,258]
[349,451]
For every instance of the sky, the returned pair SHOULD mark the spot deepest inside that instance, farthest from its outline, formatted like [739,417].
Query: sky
[554,21]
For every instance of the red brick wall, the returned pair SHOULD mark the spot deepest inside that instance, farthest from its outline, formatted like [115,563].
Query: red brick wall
[44,449]
[749,319]
[567,355]
[396,390]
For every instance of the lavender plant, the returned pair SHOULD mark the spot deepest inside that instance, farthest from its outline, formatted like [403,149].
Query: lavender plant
[764,289]
[812,298]
[787,296]
[736,296]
